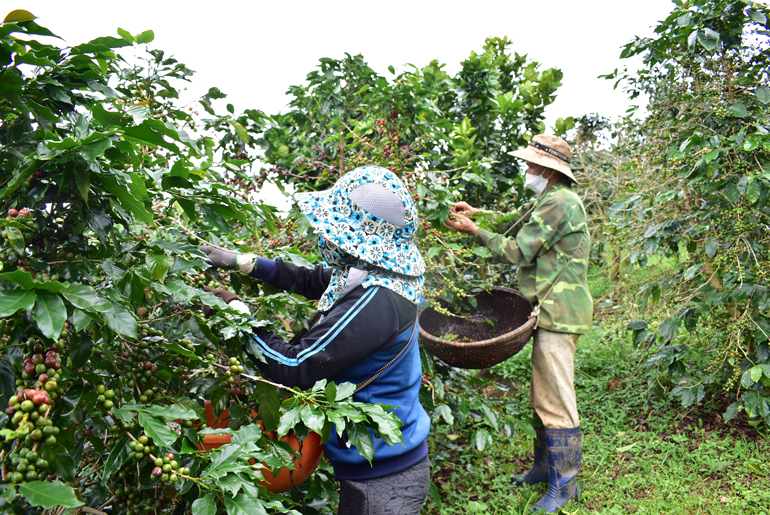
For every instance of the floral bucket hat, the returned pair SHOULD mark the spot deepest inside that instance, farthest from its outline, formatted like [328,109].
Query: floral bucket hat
[370,215]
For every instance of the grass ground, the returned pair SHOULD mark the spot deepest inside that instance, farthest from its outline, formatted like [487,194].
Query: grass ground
[643,453]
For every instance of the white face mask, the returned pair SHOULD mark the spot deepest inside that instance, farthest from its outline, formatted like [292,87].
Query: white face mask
[536,183]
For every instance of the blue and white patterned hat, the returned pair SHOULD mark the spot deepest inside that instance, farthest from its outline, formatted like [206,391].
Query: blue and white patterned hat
[370,215]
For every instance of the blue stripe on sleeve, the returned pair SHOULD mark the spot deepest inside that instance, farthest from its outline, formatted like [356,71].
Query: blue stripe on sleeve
[322,342]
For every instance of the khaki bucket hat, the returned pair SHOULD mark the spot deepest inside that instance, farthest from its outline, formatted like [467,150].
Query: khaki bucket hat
[549,151]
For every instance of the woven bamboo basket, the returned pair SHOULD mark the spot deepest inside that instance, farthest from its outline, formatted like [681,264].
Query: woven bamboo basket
[492,343]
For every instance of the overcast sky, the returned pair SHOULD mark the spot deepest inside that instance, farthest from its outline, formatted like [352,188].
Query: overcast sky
[254,51]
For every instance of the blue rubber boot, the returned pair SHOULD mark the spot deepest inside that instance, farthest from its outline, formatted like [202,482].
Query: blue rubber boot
[539,471]
[565,453]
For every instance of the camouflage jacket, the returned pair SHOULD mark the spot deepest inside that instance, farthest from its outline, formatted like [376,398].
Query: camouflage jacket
[546,239]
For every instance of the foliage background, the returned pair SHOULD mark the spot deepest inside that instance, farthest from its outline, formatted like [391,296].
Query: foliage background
[131,182]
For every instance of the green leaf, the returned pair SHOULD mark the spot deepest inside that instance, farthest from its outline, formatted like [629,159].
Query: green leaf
[763,94]
[299,260]
[240,130]
[708,38]
[753,191]
[692,272]
[205,505]
[83,180]
[482,252]
[157,430]
[121,320]
[20,277]
[738,110]
[175,347]
[125,416]
[433,251]
[85,297]
[7,382]
[49,494]
[125,35]
[16,239]
[247,433]
[14,300]
[361,438]
[331,391]
[81,320]
[637,325]
[711,156]
[82,351]
[95,149]
[126,199]
[669,328]
[731,412]
[435,494]
[138,113]
[100,45]
[692,39]
[226,460]
[60,461]
[489,416]
[756,373]
[746,379]
[170,412]
[243,504]
[269,406]
[145,37]
[176,247]
[387,423]
[100,223]
[732,193]
[158,265]
[444,412]
[312,418]
[20,179]
[684,20]
[345,390]
[711,247]
[19,16]
[481,438]
[758,16]
[203,331]
[49,314]
[289,420]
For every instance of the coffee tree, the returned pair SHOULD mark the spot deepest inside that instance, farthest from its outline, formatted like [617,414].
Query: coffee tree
[705,203]
[107,188]
[447,137]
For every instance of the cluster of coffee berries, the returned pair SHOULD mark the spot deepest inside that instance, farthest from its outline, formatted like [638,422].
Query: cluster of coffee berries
[232,379]
[27,465]
[23,230]
[43,365]
[137,373]
[200,280]
[141,448]
[168,470]
[134,500]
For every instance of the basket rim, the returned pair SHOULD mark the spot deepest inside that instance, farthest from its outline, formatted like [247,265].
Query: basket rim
[481,343]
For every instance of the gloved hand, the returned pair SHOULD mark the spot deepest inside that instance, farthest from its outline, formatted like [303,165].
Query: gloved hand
[221,258]
[227,296]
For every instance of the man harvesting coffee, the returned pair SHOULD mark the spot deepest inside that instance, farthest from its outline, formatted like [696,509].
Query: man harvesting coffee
[550,246]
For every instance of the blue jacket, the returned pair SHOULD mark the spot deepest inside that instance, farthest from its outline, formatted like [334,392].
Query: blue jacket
[362,332]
